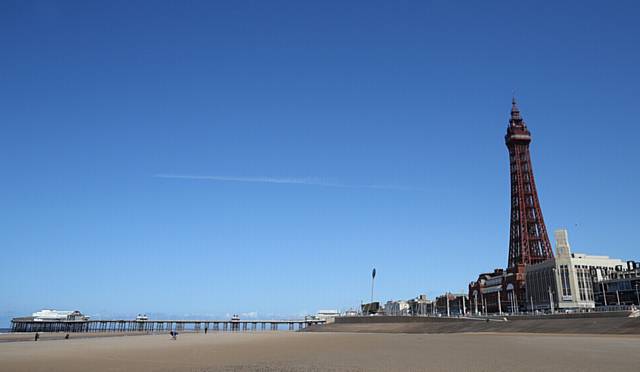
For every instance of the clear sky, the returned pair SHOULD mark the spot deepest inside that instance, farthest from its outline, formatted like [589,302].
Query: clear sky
[209,157]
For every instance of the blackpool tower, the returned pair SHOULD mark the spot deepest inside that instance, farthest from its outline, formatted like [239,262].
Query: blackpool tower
[504,290]
[528,239]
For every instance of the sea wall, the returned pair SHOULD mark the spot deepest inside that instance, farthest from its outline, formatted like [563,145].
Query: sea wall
[593,323]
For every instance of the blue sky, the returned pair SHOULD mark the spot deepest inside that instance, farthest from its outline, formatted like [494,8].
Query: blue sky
[313,142]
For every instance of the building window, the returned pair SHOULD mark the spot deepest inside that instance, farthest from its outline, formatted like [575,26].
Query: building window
[564,279]
[581,284]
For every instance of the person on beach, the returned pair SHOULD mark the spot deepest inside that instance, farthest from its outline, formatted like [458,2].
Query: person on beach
[66,337]
[205,330]
[37,336]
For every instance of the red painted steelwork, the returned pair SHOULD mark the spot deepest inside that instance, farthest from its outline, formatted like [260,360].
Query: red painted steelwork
[528,241]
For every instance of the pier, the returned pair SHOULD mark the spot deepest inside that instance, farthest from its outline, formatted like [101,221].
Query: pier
[151,326]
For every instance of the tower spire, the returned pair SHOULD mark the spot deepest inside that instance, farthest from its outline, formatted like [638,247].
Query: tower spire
[516,119]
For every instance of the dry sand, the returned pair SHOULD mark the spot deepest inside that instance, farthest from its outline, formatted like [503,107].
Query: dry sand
[299,351]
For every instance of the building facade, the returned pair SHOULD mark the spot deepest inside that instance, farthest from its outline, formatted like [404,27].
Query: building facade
[421,306]
[371,308]
[497,292]
[328,316]
[621,287]
[51,315]
[397,308]
[566,281]
[452,304]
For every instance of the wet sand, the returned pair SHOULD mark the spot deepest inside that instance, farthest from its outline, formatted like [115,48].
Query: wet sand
[301,351]
[48,336]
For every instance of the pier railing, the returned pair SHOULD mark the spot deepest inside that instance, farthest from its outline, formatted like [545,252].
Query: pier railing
[151,326]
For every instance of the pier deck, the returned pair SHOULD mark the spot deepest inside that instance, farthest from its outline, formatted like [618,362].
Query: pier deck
[121,325]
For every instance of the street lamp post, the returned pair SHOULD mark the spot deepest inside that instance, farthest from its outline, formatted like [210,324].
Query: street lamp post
[484,306]
[373,277]
[475,296]
[464,305]
[531,298]
[555,283]
[514,308]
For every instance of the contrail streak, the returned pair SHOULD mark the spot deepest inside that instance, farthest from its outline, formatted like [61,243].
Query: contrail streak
[310,181]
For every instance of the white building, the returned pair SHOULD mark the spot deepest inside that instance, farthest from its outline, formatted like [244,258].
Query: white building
[566,281]
[397,308]
[351,312]
[50,315]
[327,315]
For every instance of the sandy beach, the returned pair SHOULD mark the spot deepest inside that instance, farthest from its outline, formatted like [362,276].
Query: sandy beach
[295,351]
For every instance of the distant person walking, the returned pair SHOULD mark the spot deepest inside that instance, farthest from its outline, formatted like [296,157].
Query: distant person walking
[37,336]
[174,335]
[205,330]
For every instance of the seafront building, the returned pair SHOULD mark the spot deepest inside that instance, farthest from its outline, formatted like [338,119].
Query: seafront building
[495,292]
[351,312]
[421,306]
[448,304]
[371,308]
[567,281]
[50,315]
[328,316]
[397,308]
[452,304]
[621,287]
